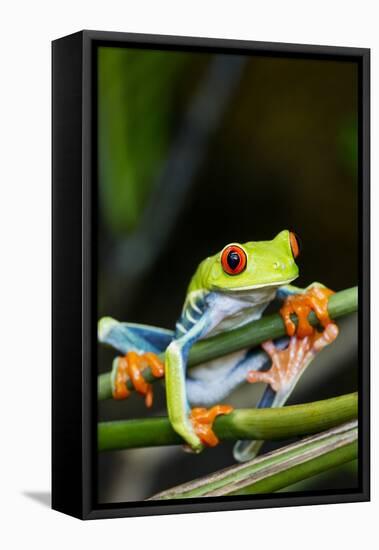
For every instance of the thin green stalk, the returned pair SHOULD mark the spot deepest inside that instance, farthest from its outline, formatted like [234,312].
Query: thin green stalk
[299,472]
[276,470]
[250,335]
[283,423]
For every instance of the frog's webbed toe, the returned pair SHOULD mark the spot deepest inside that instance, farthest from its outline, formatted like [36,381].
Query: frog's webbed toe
[288,364]
[315,298]
[130,367]
[202,421]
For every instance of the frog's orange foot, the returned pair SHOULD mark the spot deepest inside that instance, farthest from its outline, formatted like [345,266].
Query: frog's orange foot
[202,421]
[313,299]
[130,367]
[288,364]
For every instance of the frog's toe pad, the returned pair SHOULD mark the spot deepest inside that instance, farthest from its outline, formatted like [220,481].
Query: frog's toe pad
[202,420]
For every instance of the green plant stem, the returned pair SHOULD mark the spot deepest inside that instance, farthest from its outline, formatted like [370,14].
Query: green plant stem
[299,472]
[275,470]
[250,335]
[283,423]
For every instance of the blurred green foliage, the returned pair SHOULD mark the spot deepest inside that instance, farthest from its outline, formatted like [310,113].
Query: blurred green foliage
[136,89]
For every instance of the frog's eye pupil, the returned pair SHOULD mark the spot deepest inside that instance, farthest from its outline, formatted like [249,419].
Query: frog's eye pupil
[233,259]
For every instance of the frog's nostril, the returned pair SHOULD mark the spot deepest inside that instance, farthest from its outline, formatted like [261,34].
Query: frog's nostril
[276,265]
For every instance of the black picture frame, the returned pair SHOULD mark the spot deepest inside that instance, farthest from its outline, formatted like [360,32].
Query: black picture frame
[74,274]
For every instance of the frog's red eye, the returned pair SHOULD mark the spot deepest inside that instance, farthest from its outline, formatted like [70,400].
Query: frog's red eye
[233,259]
[295,244]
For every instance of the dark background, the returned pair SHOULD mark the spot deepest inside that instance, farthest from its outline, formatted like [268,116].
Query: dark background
[197,150]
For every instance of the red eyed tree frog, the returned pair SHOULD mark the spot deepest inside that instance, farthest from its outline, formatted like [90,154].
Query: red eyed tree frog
[228,290]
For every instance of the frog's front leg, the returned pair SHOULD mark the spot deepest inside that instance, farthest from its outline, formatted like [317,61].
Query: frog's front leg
[194,426]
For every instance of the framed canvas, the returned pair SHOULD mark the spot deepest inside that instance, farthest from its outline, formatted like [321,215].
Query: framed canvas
[210,274]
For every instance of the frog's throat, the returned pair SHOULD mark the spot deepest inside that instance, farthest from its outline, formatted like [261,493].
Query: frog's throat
[253,287]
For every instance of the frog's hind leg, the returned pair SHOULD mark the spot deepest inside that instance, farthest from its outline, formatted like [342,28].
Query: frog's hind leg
[211,382]
[139,346]
[287,366]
